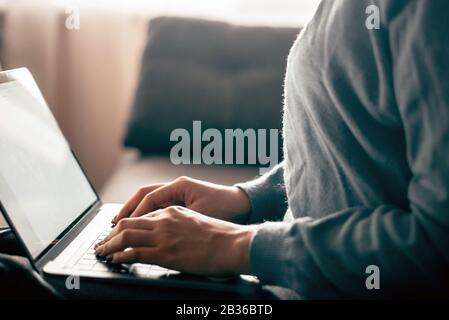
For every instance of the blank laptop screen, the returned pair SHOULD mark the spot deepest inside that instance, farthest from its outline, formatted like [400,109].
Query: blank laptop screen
[42,187]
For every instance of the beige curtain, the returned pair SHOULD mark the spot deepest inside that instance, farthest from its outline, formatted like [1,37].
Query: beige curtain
[88,76]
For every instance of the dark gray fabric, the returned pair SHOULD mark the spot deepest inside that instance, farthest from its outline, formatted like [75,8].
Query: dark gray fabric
[267,196]
[19,281]
[215,72]
[9,244]
[366,128]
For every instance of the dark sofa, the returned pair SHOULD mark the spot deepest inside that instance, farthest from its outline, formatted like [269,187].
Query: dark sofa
[224,75]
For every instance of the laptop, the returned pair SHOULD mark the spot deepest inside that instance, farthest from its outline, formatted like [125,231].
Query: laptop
[51,206]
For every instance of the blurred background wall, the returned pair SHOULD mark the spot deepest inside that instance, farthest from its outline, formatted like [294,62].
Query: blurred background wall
[88,75]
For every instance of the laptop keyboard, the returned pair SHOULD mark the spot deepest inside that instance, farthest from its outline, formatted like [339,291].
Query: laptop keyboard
[91,262]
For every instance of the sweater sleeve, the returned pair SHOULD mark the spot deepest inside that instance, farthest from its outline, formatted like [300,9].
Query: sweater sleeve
[267,196]
[328,257]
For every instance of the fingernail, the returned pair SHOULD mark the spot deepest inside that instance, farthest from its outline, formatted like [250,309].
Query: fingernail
[100,258]
[99,250]
[99,243]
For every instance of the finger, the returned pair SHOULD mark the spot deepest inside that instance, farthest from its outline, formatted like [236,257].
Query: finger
[154,199]
[134,201]
[128,238]
[127,223]
[134,255]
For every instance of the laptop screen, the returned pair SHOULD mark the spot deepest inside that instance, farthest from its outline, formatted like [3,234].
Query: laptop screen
[42,188]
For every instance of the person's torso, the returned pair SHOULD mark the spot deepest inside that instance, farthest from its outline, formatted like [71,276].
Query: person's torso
[344,143]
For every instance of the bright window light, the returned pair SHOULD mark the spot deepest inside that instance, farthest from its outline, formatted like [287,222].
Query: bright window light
[279,12]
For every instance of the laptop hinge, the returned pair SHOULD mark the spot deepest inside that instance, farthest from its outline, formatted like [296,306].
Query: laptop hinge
[60,244]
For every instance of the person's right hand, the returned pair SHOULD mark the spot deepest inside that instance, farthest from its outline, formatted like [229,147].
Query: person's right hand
[217,201]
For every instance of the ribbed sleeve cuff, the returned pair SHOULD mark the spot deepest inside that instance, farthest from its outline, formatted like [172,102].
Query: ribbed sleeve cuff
[262,202]
[267,196]
[267,256]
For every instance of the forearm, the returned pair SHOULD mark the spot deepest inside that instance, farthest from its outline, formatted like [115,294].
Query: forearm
[327,258]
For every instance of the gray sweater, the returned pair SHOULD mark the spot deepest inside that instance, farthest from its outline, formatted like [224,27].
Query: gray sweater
[366,170]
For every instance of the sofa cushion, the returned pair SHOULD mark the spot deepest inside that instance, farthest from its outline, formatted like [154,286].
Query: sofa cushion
[223,75]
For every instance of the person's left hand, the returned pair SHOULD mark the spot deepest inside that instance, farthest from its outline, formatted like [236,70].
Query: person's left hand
[181,239]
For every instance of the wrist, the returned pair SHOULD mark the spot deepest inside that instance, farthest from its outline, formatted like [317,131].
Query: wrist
[241,247]
[243,205]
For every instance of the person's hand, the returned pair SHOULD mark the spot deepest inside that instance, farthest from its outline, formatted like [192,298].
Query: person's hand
[181,239]
[217,201]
